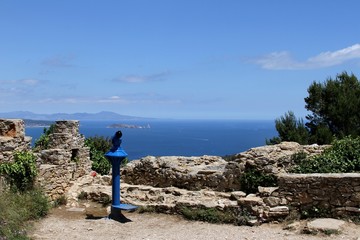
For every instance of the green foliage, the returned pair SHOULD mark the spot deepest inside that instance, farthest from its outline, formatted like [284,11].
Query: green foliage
[99,162]
[43,142]
[147,209]
[99,143]
[298,157]
[17,209]
[335,108]
[315,212]
[251,179]
[105,200]
[211,215]
[60,201]
[83,195]
[124,162]
[342,157]
[98,147]
[290,129]
[20,173]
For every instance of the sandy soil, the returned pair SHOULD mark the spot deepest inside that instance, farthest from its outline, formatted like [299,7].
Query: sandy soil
[62,224]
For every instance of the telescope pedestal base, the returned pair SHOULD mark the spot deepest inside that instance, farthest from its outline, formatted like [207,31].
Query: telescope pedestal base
[116,211]
[123,206]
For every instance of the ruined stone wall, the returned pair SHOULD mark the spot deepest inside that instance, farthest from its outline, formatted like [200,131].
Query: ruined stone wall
[193,173]
[334,194]
[66,159]
[12,138]
[329,194]
[274,159]
[213,172]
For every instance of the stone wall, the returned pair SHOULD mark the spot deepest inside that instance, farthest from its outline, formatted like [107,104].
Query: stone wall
[12,138]
[192,173]
[66,159]
[329,194]
[213,172]
[326,194]
[274,159]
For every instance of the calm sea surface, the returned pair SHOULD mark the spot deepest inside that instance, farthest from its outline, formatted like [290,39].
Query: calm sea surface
[181,137]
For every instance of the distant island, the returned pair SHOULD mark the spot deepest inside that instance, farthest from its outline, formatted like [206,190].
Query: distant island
[121,125]
[37,123]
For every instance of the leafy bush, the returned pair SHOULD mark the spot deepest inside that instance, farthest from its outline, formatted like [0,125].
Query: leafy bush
[342,157]
[251,179]
[290,129]
[99,143]
[17,208]
[315,212]
[298,157]
[211,215]
[98,147]
[20,173]
[43,142]
[60,201]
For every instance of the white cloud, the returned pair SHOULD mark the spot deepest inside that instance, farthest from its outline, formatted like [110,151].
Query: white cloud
[134,78]
[59,61]
[26,81]
[18,88]
[283,60]
[113,99]
[30,82]
[139,98]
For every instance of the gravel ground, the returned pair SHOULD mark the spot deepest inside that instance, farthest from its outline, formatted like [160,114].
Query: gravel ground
[61,224]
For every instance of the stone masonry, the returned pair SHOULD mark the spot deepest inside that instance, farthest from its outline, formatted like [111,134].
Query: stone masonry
[192,173]
[12,138]
[66,160]
[334,194]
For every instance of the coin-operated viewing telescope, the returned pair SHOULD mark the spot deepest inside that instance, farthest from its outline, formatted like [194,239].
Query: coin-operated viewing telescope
[116,155]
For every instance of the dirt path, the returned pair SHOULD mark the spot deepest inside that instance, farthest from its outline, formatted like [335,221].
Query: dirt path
[61,224]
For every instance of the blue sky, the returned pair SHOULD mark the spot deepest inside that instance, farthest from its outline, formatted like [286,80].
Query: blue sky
[183,59]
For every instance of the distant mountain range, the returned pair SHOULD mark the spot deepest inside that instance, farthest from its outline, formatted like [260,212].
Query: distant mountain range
[100,116]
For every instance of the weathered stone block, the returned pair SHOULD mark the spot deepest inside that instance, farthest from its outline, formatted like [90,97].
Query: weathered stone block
[272,201]
[14,128]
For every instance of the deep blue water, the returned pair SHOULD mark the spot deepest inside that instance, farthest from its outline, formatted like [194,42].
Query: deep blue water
[182,137]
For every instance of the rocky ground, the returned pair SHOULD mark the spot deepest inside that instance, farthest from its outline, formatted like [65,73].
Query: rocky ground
[77,223]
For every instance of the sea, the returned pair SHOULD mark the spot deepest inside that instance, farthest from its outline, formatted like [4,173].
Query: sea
[179,137]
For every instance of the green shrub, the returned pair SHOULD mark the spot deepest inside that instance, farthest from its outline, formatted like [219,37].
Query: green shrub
[99,162]
[147,209]
[43,142]
[17,209]
[211,215]
[315,212]
[298,157]
[98,147]
[99,143]
[290,129]
[20,173]
[62,200]
[83,195]
[342,157]
[124,162]
[251,179]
